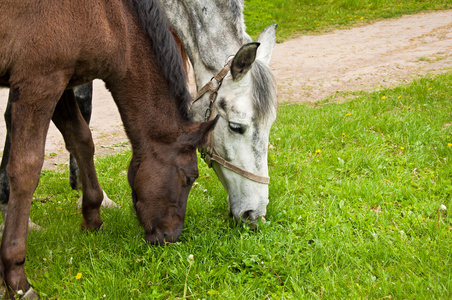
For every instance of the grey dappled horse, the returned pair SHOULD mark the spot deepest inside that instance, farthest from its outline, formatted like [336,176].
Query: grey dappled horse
[213,32]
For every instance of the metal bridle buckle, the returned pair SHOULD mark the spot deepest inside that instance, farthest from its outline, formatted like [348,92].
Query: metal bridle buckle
[207,115]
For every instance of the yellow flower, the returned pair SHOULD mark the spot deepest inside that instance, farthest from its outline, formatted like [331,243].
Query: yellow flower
[449,144]
[400,96]
[78,276]
[384,97]
[402,148]
[318,151]
[343,134]
[348,115]
[362,18]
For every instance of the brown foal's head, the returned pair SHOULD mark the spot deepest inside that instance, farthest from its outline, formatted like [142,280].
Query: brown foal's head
[161,181]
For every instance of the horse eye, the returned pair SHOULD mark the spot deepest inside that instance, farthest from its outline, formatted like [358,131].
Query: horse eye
[189,180]
[237,128]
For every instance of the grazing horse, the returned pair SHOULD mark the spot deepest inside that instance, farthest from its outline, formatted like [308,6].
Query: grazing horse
[234,81]
[47,48]
[212,32]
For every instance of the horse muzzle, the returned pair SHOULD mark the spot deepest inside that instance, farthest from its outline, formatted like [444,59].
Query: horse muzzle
[161,237]
[248,213]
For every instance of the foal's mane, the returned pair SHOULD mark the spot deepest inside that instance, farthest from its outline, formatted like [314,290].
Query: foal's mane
[156,25]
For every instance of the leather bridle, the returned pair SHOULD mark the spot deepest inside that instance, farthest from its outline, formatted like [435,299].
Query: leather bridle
[209,153]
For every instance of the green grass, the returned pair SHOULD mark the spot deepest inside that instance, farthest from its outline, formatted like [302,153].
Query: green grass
[297,17]
[357,219]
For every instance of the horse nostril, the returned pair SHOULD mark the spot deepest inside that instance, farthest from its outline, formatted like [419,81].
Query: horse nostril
[161,238]
[167,238]
[249,218]
[246,216]
[171,237]
[164,234]
[155,239]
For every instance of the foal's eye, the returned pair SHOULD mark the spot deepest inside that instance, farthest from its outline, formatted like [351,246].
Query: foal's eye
[189,180]
[237,128]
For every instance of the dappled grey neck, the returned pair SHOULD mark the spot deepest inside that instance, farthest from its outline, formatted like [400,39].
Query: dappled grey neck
[204,27]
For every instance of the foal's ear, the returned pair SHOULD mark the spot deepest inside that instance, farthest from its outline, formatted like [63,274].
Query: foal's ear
[199,133]
[243,60]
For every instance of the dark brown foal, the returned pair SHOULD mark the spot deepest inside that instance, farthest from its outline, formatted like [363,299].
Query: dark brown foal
[47,48]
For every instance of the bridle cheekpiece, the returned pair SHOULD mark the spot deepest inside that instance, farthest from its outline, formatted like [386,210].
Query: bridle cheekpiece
[208,152]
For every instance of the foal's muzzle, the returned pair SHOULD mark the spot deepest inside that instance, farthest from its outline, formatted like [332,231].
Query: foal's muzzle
[160,237]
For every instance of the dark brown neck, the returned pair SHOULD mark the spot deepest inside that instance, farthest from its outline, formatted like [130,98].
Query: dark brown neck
[149,85]
[148,111]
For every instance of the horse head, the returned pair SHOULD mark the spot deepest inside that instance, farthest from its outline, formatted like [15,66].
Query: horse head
[172,168]
[246,103]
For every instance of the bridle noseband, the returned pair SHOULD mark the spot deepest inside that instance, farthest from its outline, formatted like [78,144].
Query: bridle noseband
[209,153]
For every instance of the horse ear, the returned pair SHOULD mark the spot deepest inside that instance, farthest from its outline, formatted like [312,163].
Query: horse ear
[243,60]
[267,39]
[200,132]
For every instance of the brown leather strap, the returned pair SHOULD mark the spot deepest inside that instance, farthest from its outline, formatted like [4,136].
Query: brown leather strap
[206,88]
[209,154]
[238,170]
[223,72]
[210,86]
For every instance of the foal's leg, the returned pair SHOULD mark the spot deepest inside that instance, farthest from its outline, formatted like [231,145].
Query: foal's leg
[84,96]
[32,106]
[4,181]
[79,143]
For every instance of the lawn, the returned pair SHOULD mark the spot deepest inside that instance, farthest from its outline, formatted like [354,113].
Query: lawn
[360,201]
[297,17]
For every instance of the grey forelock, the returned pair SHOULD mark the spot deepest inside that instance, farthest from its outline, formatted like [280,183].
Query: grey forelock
[218,29]
[210,30]
[236,9]
[264,90]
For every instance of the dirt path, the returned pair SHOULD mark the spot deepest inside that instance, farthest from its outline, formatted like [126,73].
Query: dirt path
[310,68]
[384,54]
